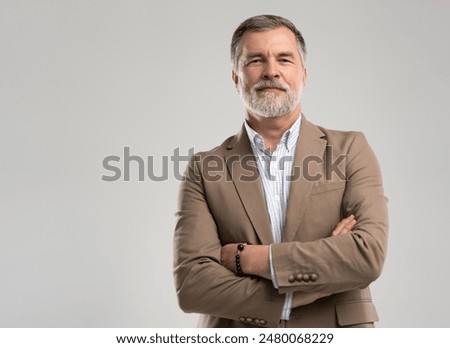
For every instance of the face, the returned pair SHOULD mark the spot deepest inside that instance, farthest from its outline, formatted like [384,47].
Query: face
[269,76]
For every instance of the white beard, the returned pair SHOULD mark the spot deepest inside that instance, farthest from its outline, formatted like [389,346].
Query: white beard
[268,103]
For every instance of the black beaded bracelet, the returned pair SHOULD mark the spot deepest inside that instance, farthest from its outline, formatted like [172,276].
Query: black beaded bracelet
[237,259]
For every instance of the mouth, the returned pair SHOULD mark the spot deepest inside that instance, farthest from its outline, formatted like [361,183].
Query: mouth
[270,89]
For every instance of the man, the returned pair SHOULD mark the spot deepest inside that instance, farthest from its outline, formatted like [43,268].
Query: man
[285,223]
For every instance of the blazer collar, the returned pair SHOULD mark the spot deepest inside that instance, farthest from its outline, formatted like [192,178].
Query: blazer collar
[243,169]
[311,144]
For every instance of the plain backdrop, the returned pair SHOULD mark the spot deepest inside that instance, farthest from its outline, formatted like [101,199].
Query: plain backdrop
[83,80]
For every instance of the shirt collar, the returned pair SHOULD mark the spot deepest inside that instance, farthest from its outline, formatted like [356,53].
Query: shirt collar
[288,139]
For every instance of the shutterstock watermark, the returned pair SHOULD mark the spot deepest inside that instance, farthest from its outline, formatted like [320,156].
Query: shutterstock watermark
[213,168]
[121,169]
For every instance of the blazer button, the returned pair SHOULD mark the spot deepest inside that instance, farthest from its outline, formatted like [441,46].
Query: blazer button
[313,277]
[306,277]
[291,278]
[299,277]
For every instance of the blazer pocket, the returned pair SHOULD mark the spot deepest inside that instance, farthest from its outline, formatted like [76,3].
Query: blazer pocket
[355,312]
[327,186]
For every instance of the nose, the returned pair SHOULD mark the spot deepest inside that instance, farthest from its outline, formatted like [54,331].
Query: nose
[271,70]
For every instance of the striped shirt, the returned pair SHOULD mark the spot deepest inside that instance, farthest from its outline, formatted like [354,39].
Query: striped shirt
[274,170]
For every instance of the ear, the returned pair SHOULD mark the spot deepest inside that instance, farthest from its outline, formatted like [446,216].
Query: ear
[305,76]
[235,78]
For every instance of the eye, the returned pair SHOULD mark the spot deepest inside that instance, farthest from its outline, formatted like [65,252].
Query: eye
[255,61]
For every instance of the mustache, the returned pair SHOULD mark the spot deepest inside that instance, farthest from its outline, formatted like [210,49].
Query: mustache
[270,84]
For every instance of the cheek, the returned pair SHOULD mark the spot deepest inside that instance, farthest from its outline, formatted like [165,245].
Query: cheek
[299,85]
[249,78]
[245,86]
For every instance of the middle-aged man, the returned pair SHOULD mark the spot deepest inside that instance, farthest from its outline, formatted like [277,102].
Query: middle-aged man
[285,223]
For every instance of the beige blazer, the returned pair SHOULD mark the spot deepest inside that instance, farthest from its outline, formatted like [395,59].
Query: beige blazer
[221,201]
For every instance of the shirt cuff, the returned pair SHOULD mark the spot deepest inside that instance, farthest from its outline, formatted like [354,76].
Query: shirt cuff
[272,269]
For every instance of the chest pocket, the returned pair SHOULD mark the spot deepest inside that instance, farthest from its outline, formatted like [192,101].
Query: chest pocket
[327,186]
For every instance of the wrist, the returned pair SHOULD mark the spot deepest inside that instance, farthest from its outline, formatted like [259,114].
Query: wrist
[238,258]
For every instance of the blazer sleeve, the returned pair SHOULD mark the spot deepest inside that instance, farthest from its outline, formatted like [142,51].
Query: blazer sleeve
[349,261]
[203,285]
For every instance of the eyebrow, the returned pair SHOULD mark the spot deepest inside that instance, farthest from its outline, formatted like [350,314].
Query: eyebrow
[285,54]
[260,55]
[254,55]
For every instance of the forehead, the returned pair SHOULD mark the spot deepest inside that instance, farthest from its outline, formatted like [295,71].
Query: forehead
[269,41]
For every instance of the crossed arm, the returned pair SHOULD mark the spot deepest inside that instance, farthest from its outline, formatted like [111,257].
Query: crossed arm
[204,261]
[255,258]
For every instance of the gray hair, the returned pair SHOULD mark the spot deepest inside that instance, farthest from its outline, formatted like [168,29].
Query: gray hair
[263,23]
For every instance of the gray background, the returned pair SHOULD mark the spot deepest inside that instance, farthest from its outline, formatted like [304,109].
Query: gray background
[81,80]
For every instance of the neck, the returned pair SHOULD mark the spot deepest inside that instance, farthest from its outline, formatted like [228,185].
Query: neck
[272,128]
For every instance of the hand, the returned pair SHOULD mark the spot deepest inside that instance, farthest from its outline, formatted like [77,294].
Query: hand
[344,226]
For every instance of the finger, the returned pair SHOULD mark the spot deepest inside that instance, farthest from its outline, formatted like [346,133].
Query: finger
[348,218]
[345,221]
[347,228]
[343,224]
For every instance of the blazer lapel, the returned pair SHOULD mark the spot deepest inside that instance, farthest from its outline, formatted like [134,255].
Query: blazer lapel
[310,143]
[243,169]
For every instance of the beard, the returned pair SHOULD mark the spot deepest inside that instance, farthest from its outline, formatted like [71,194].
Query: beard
[270,103]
